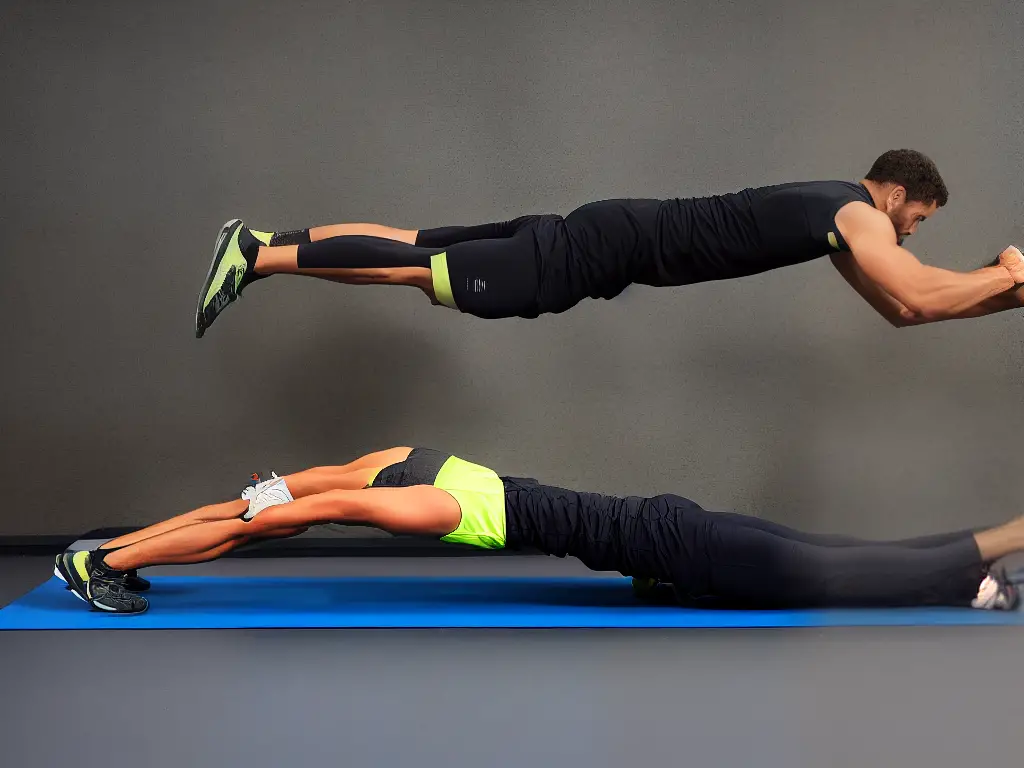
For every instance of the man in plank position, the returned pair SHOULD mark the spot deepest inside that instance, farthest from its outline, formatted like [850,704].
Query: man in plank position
[540,264]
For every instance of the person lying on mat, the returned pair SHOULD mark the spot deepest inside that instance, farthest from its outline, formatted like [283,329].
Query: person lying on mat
[534,265]
[668,544]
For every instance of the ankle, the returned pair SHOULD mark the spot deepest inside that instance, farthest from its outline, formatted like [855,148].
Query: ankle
[270,260]
[262,264]
[109,559]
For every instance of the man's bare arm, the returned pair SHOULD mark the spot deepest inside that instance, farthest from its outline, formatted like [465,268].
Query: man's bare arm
[898,315]
[928,293]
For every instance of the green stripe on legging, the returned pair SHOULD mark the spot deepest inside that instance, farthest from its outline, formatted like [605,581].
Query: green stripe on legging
[442,283]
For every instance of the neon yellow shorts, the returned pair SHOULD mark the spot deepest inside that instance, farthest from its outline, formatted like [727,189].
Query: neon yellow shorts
[481,496]
[478,490]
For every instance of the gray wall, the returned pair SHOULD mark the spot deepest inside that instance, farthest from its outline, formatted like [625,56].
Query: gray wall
[133,130]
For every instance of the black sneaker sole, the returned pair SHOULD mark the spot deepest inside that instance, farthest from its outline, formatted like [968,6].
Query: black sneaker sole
[219,249]
[113,611]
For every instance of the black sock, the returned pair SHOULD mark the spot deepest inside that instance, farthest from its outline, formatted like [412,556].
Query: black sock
[98,559]
[250,248]
[293,237]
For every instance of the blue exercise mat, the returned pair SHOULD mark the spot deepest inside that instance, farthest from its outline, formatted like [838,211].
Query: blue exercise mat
[230,603]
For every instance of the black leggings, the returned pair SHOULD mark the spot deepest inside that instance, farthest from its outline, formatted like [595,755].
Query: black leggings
[518,268]
[730,559]
[490,270]
[725,559]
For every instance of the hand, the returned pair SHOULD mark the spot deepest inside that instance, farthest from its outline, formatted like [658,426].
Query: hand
[1013,261]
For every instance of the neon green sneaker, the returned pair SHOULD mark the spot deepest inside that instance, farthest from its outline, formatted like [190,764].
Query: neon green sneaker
[73,569]
[230,272]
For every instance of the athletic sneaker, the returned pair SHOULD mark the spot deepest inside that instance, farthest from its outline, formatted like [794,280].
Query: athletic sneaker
[130,580]
[231,270]
[101,587]
[994,594]
[72,569]
[269,493]
[110,595]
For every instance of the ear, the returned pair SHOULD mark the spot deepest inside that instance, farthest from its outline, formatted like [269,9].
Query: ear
[898,194]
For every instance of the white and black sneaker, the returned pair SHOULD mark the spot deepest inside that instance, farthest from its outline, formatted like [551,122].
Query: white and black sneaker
[995,594]
[268,493]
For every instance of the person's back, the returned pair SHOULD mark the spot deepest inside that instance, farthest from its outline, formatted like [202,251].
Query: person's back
[744,233]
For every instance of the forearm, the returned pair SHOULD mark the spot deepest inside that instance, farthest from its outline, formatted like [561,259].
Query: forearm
[179,545]
[306,483]
[1013,299]
[188,549]
[940,294]
[225,511]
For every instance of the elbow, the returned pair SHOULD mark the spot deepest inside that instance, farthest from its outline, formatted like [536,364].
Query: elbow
[918,310]
[931,314]
[904,319]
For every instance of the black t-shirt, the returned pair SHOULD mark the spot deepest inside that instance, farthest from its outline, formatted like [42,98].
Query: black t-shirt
[747,232]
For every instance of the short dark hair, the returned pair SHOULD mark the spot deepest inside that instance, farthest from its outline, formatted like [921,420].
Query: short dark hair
[914,172]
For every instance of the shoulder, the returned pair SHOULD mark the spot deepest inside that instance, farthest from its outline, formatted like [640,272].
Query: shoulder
[858,220]
[862,214]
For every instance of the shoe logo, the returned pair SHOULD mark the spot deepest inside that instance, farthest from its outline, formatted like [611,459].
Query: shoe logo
[479,285]
[239,275]
[220,300]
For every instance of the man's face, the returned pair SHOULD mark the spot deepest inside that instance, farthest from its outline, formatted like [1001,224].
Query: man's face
[906,215]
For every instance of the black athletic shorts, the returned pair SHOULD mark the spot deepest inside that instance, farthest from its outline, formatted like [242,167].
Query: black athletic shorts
[541,264]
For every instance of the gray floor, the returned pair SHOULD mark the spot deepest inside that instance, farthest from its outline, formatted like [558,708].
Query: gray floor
[841,697]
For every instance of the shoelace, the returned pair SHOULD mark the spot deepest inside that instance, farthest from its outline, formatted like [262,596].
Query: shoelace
[114,589]
[252,491]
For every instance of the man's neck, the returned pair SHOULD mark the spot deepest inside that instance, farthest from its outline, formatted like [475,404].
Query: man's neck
[877,191]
